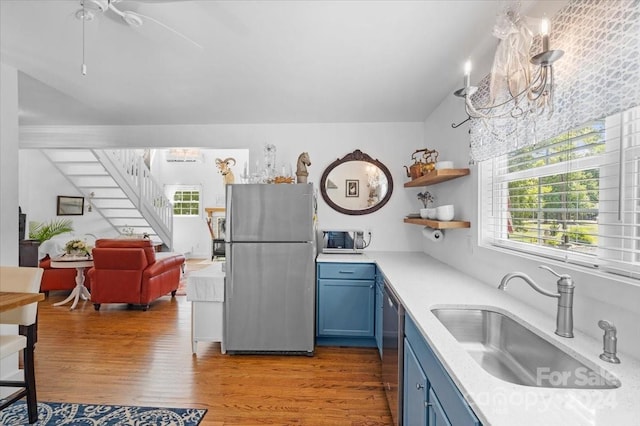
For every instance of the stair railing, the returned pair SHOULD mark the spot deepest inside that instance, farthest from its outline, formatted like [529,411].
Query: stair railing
[127,167]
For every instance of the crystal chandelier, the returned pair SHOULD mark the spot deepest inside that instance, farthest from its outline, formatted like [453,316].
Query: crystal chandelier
[521,87]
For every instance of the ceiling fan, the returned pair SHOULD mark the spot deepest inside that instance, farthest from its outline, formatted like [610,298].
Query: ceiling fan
[133,19]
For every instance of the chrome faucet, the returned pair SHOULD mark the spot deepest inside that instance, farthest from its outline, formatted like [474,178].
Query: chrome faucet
[609,342]
[564,316]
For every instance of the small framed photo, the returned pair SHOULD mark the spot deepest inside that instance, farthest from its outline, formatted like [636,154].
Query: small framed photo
[352,188]
[70,206]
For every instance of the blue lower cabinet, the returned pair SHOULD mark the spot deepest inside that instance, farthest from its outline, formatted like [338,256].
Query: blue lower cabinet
[345,309]
[415,390]
[378,313]
[439,403]
[435,412]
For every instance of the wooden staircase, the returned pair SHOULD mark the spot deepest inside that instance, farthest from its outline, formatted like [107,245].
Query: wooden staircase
[118,185]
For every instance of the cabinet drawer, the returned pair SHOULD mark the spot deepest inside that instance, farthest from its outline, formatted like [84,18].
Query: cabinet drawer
[347,271]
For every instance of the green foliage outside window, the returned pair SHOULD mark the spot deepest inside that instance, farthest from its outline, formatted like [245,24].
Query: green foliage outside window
[186,203]
[558,208]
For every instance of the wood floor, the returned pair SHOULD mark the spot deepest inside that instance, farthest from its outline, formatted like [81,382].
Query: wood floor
[124,356]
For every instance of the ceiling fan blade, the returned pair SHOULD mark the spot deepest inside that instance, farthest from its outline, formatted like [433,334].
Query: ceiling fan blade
[149,1]
[131,18]
[176,32]
[98,5]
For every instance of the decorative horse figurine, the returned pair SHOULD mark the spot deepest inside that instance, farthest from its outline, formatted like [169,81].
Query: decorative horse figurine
[227,175]
[301,167]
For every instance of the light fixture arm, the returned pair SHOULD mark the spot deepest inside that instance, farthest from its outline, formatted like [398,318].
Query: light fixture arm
[455,126]
[526,91]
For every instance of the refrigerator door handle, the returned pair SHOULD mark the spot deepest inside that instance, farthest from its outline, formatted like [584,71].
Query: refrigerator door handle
[228,214]
[229,281]
[228,274]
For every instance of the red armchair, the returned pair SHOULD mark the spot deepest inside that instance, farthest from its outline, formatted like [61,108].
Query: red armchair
[127,271]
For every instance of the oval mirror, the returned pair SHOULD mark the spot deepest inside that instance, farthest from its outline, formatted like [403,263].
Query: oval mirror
[356,184]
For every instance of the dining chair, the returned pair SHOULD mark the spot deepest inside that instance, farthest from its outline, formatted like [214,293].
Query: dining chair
[21,280]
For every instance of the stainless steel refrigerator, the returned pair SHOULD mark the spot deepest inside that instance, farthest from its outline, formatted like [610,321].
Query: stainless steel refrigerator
[270,269]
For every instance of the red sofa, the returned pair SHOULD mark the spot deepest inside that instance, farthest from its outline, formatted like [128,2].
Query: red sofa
[127,271]
[58,278]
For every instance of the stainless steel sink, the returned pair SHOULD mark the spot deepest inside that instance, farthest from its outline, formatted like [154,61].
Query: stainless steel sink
[512,352]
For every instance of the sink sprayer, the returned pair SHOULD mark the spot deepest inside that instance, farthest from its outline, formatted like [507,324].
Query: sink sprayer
[609,342]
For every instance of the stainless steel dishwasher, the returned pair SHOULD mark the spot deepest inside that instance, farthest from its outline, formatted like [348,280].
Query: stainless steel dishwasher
[392,352]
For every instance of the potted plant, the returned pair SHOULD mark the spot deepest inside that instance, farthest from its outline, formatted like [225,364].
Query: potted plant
[43,231]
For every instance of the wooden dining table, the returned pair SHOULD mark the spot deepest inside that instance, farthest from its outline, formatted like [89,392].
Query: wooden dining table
[10,300]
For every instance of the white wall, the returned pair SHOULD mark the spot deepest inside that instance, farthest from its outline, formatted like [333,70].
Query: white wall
[40,183]
[8,165]
[391,143]
[9,204]
[596,296]
[190,234]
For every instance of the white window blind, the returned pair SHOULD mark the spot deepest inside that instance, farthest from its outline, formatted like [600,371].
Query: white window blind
[574,197]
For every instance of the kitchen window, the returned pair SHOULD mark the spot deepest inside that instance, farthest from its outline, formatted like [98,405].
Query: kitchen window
[574,197]
[186,201]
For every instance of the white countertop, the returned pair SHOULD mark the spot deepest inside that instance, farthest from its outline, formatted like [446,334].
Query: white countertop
[423,283]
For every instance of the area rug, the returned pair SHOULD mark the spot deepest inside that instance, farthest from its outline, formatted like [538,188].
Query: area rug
[56,413]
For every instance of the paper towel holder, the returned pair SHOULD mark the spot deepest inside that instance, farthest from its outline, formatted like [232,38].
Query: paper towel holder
[435,235]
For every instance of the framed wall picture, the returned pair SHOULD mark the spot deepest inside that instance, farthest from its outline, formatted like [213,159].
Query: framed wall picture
[352,188]
[70,206]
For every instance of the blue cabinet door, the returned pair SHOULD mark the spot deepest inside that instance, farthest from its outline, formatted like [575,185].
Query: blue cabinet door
[435,412]
[446,406]
[414,390]
[378,313]
[346,308]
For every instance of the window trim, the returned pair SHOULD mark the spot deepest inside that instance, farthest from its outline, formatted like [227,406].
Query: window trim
[594,272]
[170,192]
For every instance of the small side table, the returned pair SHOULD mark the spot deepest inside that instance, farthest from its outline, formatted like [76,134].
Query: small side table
[205,291]
[79,291]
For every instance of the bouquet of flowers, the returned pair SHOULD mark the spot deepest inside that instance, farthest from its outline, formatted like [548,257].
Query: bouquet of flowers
[78,248]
